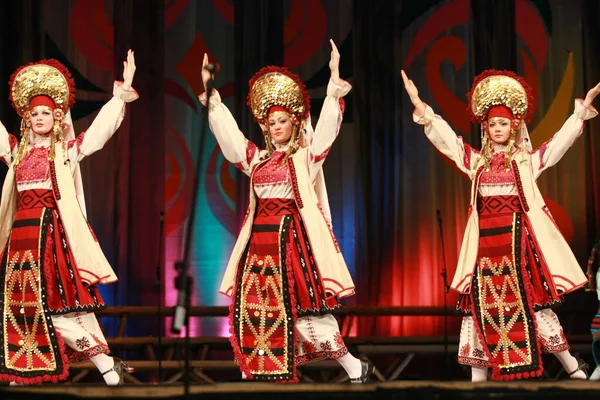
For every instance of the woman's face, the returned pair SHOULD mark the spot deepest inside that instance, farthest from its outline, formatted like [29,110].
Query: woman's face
[280,127]
[499,129]
[41,120]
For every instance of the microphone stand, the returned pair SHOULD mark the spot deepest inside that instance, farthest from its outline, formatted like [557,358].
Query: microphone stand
[160,293]
[183,281]
[446,290]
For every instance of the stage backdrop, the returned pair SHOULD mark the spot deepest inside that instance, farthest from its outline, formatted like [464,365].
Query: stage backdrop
[399,209]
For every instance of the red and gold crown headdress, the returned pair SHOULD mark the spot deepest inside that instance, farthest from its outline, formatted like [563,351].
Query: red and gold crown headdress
[275,88]
[46,82]
[493,88]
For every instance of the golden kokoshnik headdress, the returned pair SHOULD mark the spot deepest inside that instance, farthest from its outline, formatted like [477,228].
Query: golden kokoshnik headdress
[274,89]
[498,93]
[45,83]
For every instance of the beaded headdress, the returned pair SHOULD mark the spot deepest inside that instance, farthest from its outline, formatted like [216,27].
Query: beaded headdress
[500,88]
[499,93]
[276,89]
[276,86]
[47,78]
[48,83]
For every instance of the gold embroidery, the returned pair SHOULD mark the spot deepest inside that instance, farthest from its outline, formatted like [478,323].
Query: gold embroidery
[19,280]
[273,286]
[498,291]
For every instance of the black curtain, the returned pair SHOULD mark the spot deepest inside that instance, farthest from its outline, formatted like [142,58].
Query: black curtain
[378,29]
[141,148]
[591,59]
[258,28]
[378,94]
[494,40]
[21,42]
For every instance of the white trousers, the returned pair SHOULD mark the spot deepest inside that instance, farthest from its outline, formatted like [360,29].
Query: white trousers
[318,337]
[82,335]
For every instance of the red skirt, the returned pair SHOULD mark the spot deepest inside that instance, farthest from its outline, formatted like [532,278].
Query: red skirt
[277,282]
[39,279]
[508,286]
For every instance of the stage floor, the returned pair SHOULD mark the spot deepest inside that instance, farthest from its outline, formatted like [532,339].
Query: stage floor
[266,391]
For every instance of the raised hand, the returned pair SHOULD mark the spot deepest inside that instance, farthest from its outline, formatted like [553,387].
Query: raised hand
[334,64]
[413,94]
[206,75]
[591,95]
[128,70]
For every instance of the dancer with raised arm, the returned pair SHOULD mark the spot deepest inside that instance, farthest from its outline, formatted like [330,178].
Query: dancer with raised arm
[286,274]
[51,262]
[514,263]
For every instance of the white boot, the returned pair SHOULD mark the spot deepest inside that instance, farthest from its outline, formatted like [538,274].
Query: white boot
[478,374]
[595,374]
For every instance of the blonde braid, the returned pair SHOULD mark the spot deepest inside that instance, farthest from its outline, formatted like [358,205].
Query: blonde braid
[55,137]
[509,148]
[270,147]
[293,147]
[486,150]
[25,133]
[22,149]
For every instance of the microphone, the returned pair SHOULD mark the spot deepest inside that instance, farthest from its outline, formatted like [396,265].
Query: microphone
[182,284]
[213,68]
[179,316]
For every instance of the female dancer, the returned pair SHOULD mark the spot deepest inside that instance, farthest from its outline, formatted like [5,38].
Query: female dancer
[51,262]
[287,272]
[514,263]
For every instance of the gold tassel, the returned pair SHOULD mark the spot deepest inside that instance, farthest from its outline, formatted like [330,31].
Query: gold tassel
[53,136]
[56,137]
[270,147]
[25,132]
[509,148]
[486,150]
[293,147]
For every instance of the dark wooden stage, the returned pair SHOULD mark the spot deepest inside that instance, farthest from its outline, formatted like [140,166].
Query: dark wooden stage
[408,367]
[267,391]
